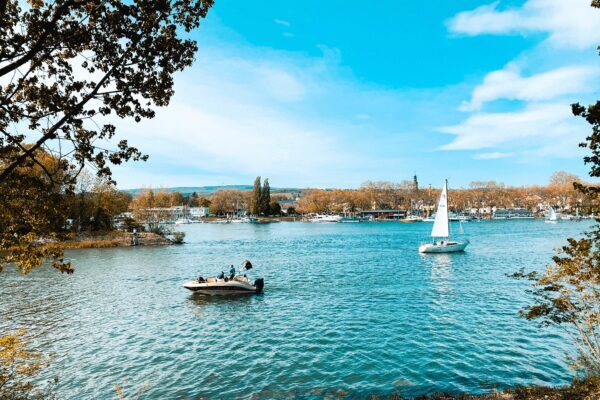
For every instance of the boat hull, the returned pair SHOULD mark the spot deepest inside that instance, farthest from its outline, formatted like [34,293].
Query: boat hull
[448,247]
[222,287]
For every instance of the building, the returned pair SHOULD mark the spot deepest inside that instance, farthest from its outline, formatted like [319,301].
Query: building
[512,213]
[384,214]
[198,212]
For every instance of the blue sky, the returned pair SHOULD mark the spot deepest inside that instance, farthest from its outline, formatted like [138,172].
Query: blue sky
[334,93]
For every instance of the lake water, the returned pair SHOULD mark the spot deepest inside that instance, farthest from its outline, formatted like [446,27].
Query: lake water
[348,307]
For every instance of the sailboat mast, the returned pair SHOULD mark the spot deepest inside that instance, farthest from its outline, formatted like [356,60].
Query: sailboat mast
[448,208]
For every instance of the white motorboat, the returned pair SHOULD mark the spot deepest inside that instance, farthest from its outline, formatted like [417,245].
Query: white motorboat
[325,218]
[552,218]
[411,218]
[238,284]
[441,230]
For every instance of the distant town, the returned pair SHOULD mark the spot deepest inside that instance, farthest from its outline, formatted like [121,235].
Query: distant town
[405,201]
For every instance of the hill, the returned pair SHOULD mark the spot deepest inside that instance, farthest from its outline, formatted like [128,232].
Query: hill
[209,190]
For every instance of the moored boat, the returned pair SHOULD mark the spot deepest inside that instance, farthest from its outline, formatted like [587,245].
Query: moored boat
[411,218]
[552,218]
[325,218]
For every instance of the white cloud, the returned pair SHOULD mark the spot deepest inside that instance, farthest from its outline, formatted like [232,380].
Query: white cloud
[242,115]
[493,156]
[281,84]
[509,84]
[282,22]
[568,23]
[536,127]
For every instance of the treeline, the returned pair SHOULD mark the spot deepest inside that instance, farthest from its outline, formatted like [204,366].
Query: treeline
[482,196]
[478,196]
[257,202]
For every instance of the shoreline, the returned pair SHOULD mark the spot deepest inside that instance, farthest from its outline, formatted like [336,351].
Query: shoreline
[114,239]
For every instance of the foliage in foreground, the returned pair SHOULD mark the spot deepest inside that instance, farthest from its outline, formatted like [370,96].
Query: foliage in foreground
[580,389]
[567,294]
[67,68]
[19,364]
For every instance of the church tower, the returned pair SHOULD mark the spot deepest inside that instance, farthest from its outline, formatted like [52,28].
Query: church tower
[415,183]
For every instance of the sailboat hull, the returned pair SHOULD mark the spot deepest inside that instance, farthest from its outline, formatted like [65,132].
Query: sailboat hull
[443,247]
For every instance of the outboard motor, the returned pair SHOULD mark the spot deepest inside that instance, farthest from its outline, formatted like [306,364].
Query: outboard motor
[259,284]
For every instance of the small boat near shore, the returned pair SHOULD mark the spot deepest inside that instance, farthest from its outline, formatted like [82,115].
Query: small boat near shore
[552,217]
[222,285]
[319,219]
[412,218]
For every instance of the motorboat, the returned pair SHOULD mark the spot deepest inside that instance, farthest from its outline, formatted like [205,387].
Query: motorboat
[325,218]
[222,285]
[237,285]
[441,230]
[412,218]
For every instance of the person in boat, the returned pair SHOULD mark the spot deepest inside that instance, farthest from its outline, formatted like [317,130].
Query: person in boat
[201,279]
[232,272]
[221,275]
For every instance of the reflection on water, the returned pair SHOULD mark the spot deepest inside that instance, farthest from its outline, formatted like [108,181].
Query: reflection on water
[346,306]
[441,272]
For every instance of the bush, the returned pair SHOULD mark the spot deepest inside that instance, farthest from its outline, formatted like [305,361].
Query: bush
[178,237]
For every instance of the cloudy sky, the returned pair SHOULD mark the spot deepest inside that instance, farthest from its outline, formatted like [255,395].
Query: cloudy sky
[334,93]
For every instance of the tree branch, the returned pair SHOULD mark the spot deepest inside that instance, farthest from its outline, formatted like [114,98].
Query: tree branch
[50,133]
[39,44]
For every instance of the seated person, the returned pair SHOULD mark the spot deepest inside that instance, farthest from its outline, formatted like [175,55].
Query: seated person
[221,275]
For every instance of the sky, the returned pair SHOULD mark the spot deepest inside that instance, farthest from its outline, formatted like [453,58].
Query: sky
[334,93]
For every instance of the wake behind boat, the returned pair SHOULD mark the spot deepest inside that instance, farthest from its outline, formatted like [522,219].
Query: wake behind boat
[233,284]
[441,230]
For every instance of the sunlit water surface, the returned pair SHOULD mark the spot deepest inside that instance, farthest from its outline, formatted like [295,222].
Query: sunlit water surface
[350,307]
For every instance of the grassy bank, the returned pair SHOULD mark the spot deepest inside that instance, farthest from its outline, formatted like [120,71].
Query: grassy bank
[113,239]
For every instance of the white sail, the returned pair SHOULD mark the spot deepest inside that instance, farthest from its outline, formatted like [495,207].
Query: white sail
[440,225]
[551,214]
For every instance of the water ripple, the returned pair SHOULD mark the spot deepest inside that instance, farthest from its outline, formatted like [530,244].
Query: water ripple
[347,309]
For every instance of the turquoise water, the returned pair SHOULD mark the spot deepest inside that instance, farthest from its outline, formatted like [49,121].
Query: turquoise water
[348,307]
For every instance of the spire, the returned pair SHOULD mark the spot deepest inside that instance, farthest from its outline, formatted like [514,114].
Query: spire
[415,183]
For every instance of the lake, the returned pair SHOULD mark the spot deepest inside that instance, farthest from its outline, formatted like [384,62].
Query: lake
[350,307]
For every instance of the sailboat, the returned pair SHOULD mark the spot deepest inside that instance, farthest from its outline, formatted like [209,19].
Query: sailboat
[441,230]
[551,216]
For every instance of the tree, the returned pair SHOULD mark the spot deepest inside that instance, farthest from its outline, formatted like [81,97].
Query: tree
[66,67]
[265,198]
[33,214]
[275,208]
[75,63]
[563,178]
[291,211]
[255,201]
[226,201]
[567,294]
